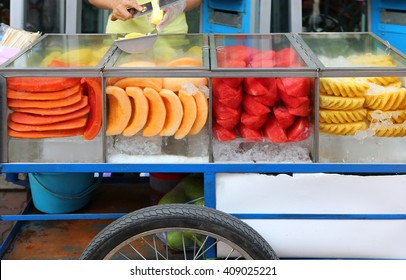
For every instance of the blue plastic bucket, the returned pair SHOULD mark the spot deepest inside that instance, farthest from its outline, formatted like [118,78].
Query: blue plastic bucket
[62,192]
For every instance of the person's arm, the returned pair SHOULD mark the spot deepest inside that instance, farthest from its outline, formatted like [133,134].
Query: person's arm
[192,4]
[119,8]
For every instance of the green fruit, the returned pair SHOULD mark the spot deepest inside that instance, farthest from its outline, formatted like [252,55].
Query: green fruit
[193,186]
[174,240]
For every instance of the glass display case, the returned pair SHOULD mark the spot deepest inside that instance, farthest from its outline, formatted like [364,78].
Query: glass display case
[158,102]
[263,90]
[362,101]
[52,100]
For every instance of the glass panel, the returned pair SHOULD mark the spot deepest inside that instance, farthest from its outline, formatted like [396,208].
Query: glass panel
[352,50]
[54,119]
[66,51]
[255,51]
[362,119]
[167,51]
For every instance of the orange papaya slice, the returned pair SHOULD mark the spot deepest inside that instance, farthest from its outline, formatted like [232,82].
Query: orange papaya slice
[54,111]
[140,108]
[185,62]
[52,95]
[32,119]
[95,96]
[45,134]
[189,114]
[119,110]
[155,83]
[43,84]
[174,112]
[70,124]
[44,104]
[202,105]
[175,84]
[156,114]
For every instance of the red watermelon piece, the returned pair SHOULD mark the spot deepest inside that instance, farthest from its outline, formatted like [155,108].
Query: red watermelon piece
[299,131]
[253,107]
[249,134]
[282,115]
[220,111]
[261,64]
[270,98]
[289,100]
[255,86]
[223,90]
[273,132]
[232,82]
[253,121]
[231,100]
[229,123]
[296,86]
[265,55]
[286,57]
[303,110]
[222,134]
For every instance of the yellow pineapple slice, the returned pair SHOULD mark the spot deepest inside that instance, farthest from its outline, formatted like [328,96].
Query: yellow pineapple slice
[396,116]
[372,59]
[340,116]
[383,81]
[385,98]
[342,128]
[341,103]
[389,130]
[345,87]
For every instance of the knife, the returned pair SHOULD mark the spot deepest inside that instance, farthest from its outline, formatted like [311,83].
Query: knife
[147,7]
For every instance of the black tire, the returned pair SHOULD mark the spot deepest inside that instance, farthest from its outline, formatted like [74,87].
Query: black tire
[146,224]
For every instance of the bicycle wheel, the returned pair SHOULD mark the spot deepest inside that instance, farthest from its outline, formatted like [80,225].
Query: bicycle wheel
[178,231]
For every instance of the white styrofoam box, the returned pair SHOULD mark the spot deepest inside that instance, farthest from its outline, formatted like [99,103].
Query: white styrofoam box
[321,194]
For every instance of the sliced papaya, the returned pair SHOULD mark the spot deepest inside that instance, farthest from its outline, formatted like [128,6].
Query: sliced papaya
[44,104]
[70,124]
[43,84]
[175,84]
[185,62]
[140,108]
[54,111]
[189,114]
[34,119]
[174,112]
[156,114]
[52,95]
[119,110]
[202,105]
[95,95]
[155,83]
[45,134]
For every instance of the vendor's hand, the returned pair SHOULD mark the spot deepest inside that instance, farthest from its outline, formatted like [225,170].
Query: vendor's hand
[121,8]
[171,12]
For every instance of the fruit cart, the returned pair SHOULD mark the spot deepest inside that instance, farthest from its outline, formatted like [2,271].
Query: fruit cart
[298,138]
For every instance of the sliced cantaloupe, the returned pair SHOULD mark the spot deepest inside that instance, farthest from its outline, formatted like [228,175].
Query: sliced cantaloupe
[185,62]
[189,114]
[175,84]
[119,110]
[174,112]
[140,108]
[138,63]
[155,83]
[156,115]
[202,105]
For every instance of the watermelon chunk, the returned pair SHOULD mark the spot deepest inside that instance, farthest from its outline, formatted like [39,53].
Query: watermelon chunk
[286,57]
[299,131]
[232,82]
[303,110]
[224,91]
[270,98]
[253,121]
[220,111]
[233,101]
[253,107]
[282,115]
[249,134]
[295,86]
[229,123]
[290,100]
[222,134]
[255,86]
[273,132]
